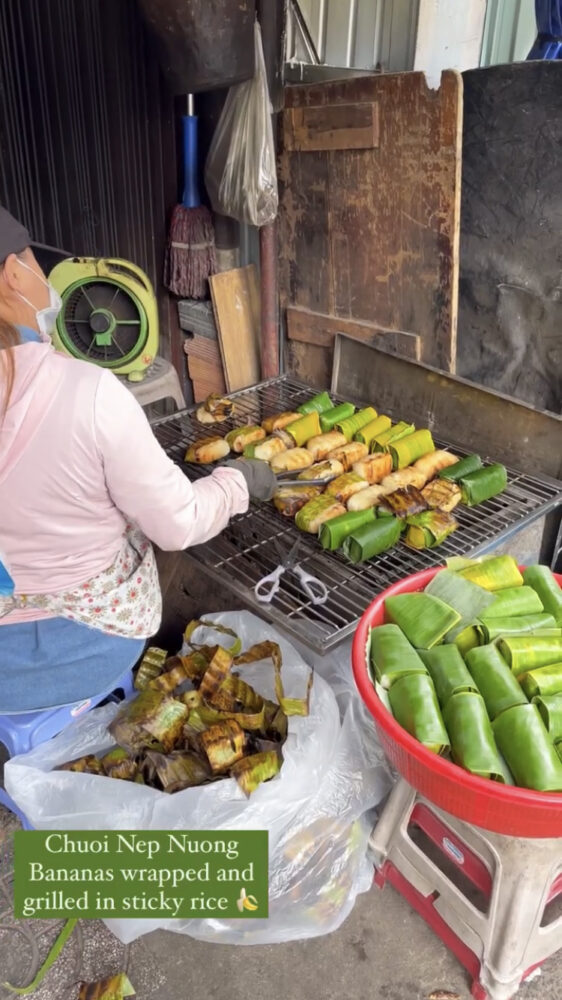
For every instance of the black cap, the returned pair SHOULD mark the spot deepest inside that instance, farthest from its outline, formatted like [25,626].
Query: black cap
[13,236]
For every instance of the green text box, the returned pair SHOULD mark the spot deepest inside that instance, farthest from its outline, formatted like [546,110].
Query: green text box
[151,874]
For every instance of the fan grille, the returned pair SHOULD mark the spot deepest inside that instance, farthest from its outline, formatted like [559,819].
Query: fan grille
[102,321]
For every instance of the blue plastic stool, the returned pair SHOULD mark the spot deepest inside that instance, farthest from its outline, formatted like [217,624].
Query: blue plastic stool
[20,733]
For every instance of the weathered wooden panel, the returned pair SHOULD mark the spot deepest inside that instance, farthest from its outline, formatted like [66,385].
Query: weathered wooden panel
[372,235]
[314,328]
[344,126]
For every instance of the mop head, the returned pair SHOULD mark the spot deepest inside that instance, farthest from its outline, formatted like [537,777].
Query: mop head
[190,254]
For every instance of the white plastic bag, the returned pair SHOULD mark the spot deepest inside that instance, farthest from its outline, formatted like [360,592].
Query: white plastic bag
[314,809]
[240,172]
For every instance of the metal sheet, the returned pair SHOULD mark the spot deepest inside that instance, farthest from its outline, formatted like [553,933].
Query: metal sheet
[361,34]
[243,553]
[467,414]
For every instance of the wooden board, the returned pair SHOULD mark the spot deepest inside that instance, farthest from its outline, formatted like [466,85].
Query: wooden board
[314,328]
[345,126]
[236,299]
[371,235]
[204,348]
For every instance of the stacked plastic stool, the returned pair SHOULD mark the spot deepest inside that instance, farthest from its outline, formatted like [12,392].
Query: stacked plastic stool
[160,382]
[22,732]
[498,923]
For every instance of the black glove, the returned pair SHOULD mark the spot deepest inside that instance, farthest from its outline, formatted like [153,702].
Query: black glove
[260,479]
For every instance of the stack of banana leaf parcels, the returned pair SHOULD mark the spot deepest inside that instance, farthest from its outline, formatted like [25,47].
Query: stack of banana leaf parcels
[363,483]
[472,667]
[195,720]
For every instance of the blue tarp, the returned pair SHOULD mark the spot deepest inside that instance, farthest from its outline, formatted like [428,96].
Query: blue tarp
[549,24]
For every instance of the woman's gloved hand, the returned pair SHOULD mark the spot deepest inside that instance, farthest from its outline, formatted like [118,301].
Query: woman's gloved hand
[260,479]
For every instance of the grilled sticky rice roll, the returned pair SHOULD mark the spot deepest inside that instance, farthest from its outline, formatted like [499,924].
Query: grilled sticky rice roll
[287,461]
[322,445]
[316,511]
[404,502]
[374,468]
[344,487]
[435,462]
[350,453]
[404,477]
[240,437]
[328,469]
[288,500]
[370,497]
[206,450]
[279,421]
[443,494]
[215,409]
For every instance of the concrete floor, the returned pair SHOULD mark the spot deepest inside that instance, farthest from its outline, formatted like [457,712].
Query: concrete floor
[384,951]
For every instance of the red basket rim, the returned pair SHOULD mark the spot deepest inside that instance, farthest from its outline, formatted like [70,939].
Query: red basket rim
[514,795]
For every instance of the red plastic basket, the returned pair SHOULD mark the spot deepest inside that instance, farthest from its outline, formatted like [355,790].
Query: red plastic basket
[517,812]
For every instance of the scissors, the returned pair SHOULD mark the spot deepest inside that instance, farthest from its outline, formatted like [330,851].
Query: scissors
[266,589]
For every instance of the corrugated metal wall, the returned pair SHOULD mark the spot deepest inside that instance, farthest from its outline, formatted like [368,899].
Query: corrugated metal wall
[87,150]
[363,34]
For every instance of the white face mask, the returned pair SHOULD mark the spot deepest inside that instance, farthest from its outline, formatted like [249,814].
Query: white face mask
[47,317]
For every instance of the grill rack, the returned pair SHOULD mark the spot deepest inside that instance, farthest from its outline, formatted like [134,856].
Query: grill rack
[242,554]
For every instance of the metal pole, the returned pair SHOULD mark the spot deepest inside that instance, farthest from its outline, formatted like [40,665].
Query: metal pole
[269,302]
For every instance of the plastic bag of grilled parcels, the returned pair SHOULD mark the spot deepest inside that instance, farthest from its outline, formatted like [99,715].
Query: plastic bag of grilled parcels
[314,809]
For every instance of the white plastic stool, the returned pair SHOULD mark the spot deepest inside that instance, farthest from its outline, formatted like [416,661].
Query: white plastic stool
[518,877]
[160,382]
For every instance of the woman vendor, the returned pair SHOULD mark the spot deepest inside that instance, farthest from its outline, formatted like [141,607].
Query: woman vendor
[84,489]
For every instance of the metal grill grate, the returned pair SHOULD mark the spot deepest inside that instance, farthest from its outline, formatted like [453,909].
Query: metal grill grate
[243,553]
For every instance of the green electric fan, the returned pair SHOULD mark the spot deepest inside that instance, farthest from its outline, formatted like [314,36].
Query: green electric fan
[109,314]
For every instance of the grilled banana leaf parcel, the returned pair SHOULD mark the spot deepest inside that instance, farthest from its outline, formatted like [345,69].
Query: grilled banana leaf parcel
[266,449]
[288,500]
[512,602]
[404,502]
[373,468]
[333,533]
[329,418]
[448,672]
[461,468]
[224,745]
[429,529]
[391,656]
[328,469]
[83,765]
[152,717]
[348,454]
[472,738]
[372,539]
[178,770]
[424,619]
[251,771]
[370,431]
[289,461]
[316,512]
[442,494]
[241,437]
[394,433]
[542,681]
[279,421]
[303,429]
[415,707]
[344,487]
[351,425]
[318,404]
[369,497]
[407,450]
[526,745]
[207,450]
[321,446]
[435,462]
[495,573]
[546,586]
[483,484]
[493,678]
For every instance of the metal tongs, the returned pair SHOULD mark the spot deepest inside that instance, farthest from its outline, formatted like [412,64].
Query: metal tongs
[266,589]
[302,482]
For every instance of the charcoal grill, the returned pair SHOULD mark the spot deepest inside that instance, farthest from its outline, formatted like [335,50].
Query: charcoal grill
[243,553]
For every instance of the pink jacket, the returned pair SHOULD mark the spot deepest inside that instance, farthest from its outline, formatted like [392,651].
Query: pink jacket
[77,456]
